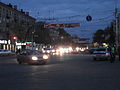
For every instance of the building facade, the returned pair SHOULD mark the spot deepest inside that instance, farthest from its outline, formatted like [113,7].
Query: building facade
[11,20]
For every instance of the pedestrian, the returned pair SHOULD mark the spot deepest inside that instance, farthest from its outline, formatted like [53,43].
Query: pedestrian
[112,53]
[18,51]
[118,49]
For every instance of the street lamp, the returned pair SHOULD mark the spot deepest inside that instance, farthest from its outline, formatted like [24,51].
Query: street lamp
[32,39]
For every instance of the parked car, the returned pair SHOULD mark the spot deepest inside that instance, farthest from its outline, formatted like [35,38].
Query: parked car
[32,57]
[101,53]
[5,52]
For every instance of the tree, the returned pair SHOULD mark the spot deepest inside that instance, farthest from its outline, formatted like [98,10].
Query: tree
[99,36]
[65,38]
[42,34]
[110,35]
[105,36]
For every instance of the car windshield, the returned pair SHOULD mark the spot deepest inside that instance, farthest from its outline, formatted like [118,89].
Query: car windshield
[30,52]
[102,49]
[47,49]
[35,53]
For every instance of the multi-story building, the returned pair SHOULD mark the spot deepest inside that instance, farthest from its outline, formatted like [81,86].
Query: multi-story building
[10,18]
[54,34]
[46,34]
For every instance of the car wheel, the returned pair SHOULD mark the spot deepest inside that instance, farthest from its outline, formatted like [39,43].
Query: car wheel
[19,62]
[43,62]
[94,59]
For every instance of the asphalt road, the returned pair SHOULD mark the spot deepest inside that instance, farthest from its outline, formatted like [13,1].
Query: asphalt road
[68,72]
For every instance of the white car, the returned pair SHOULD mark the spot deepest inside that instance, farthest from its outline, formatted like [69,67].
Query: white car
[101,53]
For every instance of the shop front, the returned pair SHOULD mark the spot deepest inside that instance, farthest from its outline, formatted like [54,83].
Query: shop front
[6,44]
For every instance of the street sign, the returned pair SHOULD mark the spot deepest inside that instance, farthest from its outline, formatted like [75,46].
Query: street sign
[89,18]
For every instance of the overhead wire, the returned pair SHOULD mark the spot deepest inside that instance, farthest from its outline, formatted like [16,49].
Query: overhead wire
[71,17]
[94,20]
[75,18]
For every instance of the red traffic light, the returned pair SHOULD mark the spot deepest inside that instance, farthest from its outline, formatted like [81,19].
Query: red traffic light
[14,38]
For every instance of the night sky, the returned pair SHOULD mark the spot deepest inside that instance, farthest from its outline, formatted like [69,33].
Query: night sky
[73,11]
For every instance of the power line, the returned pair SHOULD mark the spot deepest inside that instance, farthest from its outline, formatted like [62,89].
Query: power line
[103,18]
[72,17]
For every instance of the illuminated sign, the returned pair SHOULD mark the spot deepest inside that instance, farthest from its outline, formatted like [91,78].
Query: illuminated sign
[28,43]
[19,44]
[3,41]
[65,25]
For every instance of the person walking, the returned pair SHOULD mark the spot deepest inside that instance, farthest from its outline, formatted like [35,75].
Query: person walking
[112,53]
[17,51]
[118,50]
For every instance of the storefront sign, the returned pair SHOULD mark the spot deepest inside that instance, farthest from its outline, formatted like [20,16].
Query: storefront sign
[3,41]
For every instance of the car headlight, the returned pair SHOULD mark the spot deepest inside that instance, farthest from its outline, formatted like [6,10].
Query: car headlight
[34,58]
[45,56]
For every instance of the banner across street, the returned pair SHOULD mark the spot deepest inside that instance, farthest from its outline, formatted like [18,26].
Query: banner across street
[66,25]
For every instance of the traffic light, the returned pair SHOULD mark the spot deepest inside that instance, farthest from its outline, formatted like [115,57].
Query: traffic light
[14,38]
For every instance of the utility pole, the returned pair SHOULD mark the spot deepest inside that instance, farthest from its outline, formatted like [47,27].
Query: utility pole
[116,23]
[116,27]
[33,32]
[32,39]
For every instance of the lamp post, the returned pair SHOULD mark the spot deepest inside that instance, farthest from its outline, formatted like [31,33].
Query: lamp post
[32,39]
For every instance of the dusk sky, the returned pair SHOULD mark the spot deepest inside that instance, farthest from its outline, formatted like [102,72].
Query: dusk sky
[102,12]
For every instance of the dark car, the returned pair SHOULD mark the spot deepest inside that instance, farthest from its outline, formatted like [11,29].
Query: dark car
[91,51]
[32,57]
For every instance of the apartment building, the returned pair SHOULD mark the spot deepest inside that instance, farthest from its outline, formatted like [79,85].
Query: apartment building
[10,17]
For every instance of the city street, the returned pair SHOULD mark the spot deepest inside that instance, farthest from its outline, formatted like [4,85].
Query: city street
[78,32]
[68,72]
